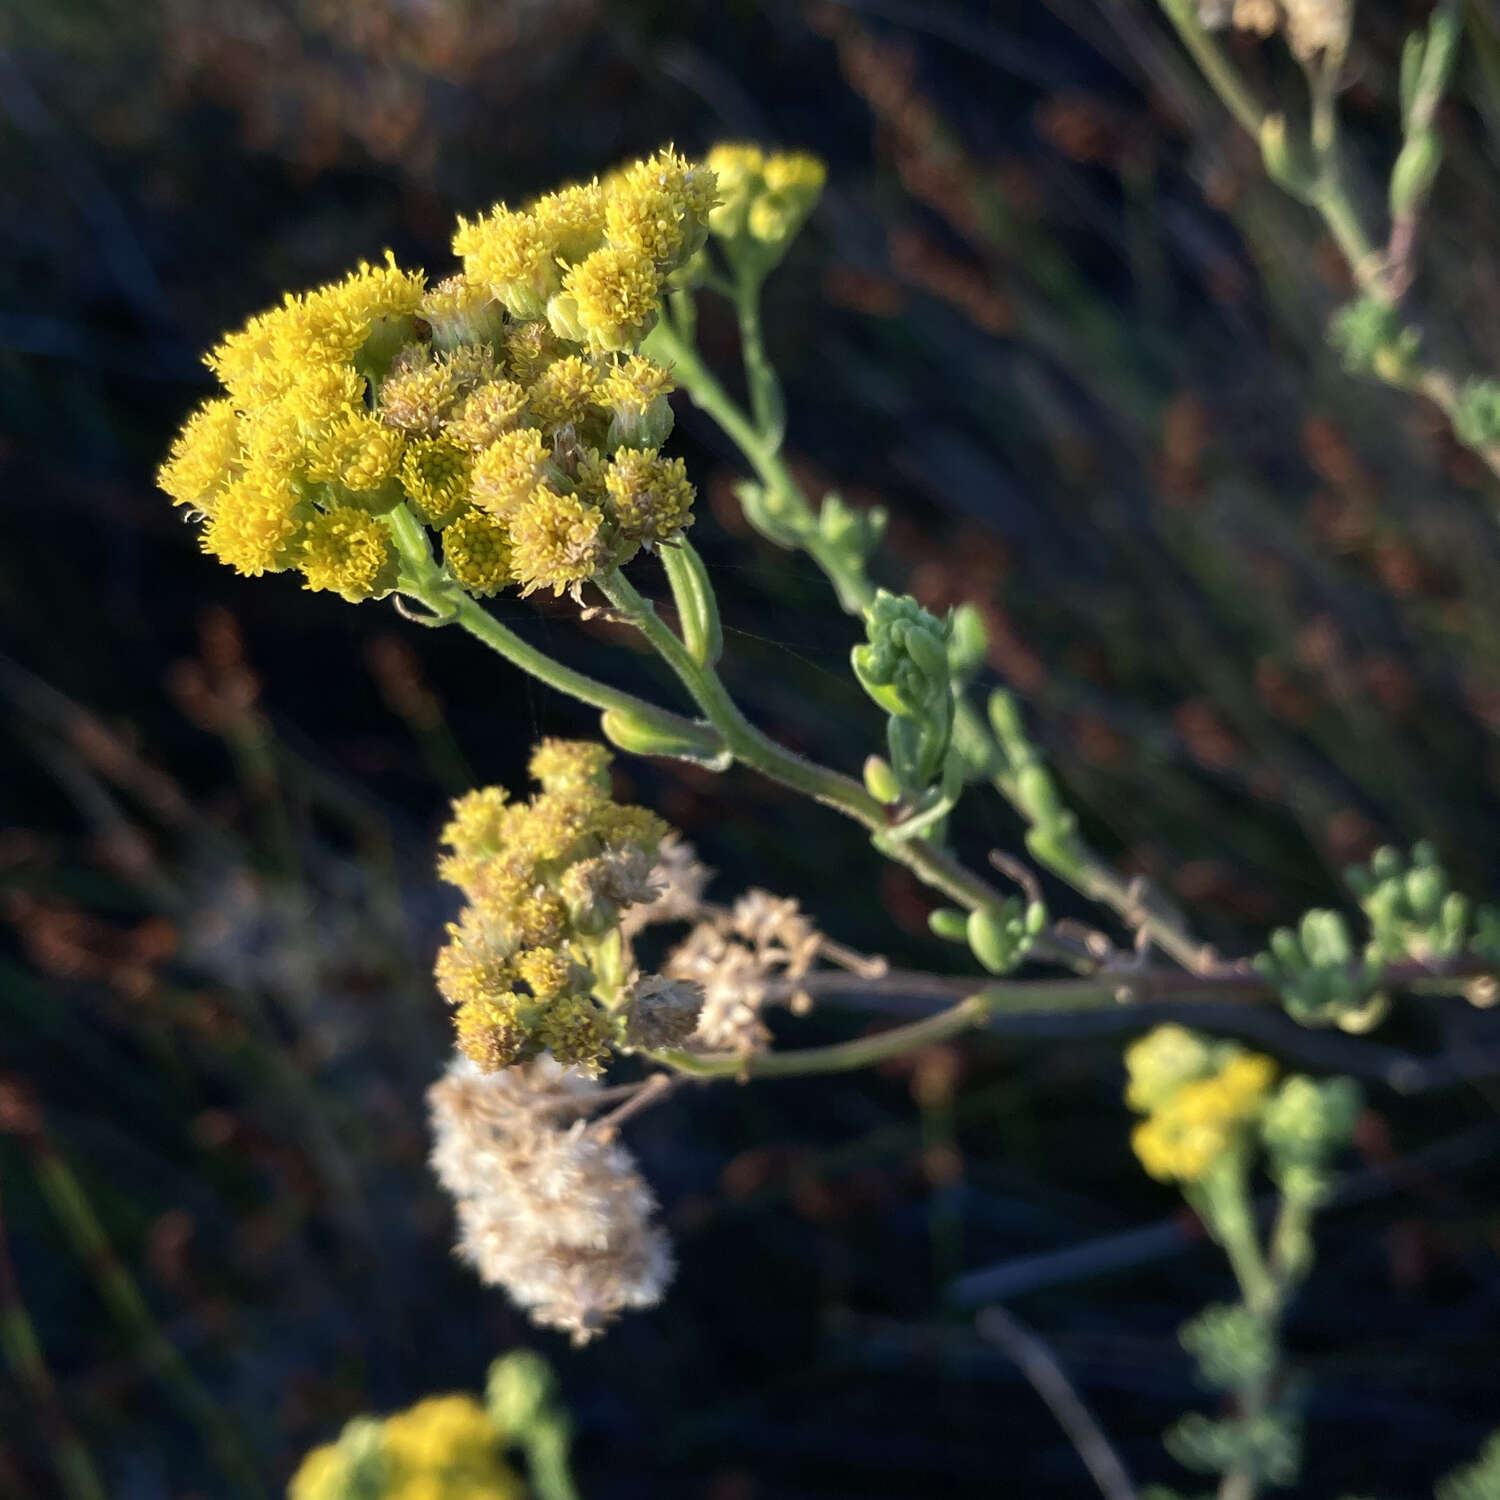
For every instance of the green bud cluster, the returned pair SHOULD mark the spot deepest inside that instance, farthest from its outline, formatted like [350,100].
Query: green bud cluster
[1268,1447]
[1233,1348]
[904,668]
[1476,419]
[1319,977]
[1370,336]
[520,1392]
[999,936]
[1305,1123]
[1412,911]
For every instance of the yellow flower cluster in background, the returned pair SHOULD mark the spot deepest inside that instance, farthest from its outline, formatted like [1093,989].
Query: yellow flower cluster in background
[1200,1100]
[443,1448]
[505,407]
[536,955]
[765,197]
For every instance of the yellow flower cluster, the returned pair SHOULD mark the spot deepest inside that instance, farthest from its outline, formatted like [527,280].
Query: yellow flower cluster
[534,961]
[443,1448]
[1199,1099]
[505,406]
[766,197]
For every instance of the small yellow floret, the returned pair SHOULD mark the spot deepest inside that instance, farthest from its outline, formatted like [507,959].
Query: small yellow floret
[556,541]
[323,1474]
[358,451]
[637,381]
[460,311]
[572,219]
[477,549]
[435,473]
[1160,1062]
[650,497]
[616,295]
[254,527]
[205,458]
[490,1033]
[737,169]
[348,552]
[486,413]
[660,207]
[566,391]
[510,252]
[571,766]
[529,349]
[334,323]
[548,972]
[793,185]
[577,1033]
[508,470]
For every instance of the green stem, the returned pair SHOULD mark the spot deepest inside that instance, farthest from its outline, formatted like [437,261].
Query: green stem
[424,581]
[748,745]
[1215,65]
[766,400]
[841,1057]
[547,1461]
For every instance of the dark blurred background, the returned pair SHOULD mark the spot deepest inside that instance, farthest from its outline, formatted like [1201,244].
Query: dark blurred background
[1050,315]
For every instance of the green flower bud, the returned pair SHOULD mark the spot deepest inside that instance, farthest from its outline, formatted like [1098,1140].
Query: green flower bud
[1001,936]
[641,736]
[968,643]
[949,923]
[520,1392]
[880,781]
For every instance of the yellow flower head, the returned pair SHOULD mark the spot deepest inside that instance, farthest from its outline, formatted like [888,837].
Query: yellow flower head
[636,390]
[477,549]
[491,1032]
[529,349]
[443,1448]
[660,208]
[572,219]
[571,766]
[615,294]
[205,457]
[370,313]
[486,413]
[557,541]
[577,1033]
[358,451]
[460,311]
[507,472]
[526,869]
[1160,1062]
[737,168]
[567,391]
[512,253]
[348,551]
[420,390]
[1200,1099]
[475,963]
[793,184]
[435,473]
[650,497]
[548,972]
[254,528]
